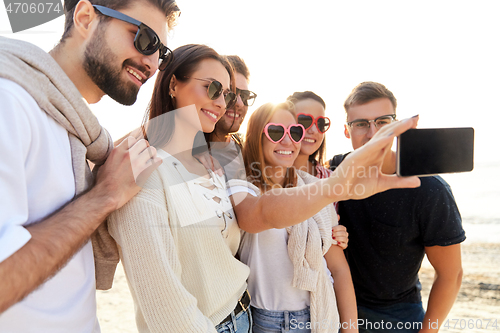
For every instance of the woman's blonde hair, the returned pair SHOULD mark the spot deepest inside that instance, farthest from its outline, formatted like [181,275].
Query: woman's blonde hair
[253,155]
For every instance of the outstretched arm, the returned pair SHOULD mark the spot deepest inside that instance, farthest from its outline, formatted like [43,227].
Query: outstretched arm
[55,239]
[279,208]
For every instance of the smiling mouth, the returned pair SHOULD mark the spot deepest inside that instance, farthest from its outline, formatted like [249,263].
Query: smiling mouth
[135,74]
[284,152]
[211,115]
[309,140]
[234,115]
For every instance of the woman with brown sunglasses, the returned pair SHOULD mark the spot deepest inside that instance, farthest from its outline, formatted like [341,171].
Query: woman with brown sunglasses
[178,236]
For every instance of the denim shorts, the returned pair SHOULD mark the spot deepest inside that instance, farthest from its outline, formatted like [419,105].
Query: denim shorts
[240,323]
[401,318]
[265,321]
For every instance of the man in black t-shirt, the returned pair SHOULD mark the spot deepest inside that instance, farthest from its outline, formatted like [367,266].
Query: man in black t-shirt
[391,232]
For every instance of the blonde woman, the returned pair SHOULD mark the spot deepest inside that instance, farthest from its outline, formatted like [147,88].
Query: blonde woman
[290,280]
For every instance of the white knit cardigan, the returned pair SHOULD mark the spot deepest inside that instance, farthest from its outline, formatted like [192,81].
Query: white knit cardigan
[182,278]
[308,242]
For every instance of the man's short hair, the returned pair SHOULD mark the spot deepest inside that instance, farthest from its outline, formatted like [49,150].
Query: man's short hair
[239,66]
[169,7]
[366,92]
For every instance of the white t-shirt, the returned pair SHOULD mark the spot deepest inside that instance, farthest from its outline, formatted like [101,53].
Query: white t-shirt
[36,179]
[271,269]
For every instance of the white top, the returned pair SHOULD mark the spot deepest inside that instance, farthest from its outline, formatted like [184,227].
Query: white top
[36,179]
[271,269]
[177,246]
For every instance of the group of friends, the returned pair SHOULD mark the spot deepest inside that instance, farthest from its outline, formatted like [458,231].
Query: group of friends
[217,231]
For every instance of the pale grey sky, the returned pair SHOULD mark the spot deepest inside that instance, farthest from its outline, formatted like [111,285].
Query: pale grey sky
[439,58]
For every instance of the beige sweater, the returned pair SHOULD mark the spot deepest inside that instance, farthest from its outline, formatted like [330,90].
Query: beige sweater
[183,278]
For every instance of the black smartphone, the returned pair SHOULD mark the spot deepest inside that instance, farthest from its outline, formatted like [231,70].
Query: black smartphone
[431,151]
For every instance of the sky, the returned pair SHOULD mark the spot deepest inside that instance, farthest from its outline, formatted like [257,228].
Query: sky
[439,58]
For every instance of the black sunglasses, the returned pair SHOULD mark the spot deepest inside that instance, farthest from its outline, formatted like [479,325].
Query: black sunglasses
[146,41]
[215,89]
[247,96]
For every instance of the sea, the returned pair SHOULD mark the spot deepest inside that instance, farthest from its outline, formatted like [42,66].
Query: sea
[477,194]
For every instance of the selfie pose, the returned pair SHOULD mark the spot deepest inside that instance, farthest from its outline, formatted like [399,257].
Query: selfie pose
[178,236]
[391,232]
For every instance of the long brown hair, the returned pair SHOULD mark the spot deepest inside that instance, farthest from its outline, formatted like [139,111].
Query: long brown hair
[253,155]
[186,61]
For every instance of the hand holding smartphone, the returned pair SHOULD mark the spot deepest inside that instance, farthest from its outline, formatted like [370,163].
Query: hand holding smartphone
[431,151]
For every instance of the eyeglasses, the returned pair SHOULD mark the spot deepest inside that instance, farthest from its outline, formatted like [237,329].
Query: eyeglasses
[361,126]
[146,41]
[276,132]
[307,120]
[247,96]
[215,89]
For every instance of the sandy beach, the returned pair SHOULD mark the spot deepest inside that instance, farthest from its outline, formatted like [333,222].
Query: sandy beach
[478,300]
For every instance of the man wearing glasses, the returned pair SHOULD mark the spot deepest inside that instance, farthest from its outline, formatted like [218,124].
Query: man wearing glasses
[49,202]
[225,141]
[391,232]
[227,127]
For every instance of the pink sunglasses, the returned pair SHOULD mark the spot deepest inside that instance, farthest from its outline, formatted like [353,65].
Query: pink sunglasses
[307,120]
[276,132]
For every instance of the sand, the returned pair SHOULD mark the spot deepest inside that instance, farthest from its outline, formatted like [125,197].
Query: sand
[479,297]
[477,302]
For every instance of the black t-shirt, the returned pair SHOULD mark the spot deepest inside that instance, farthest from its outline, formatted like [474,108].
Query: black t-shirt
[387,236]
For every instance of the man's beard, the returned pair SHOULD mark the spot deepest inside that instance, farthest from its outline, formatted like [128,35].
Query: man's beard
[99,64]
[230,126]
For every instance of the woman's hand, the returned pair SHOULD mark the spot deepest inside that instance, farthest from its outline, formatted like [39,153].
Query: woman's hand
[341,236]
[209,162]
[360,174]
